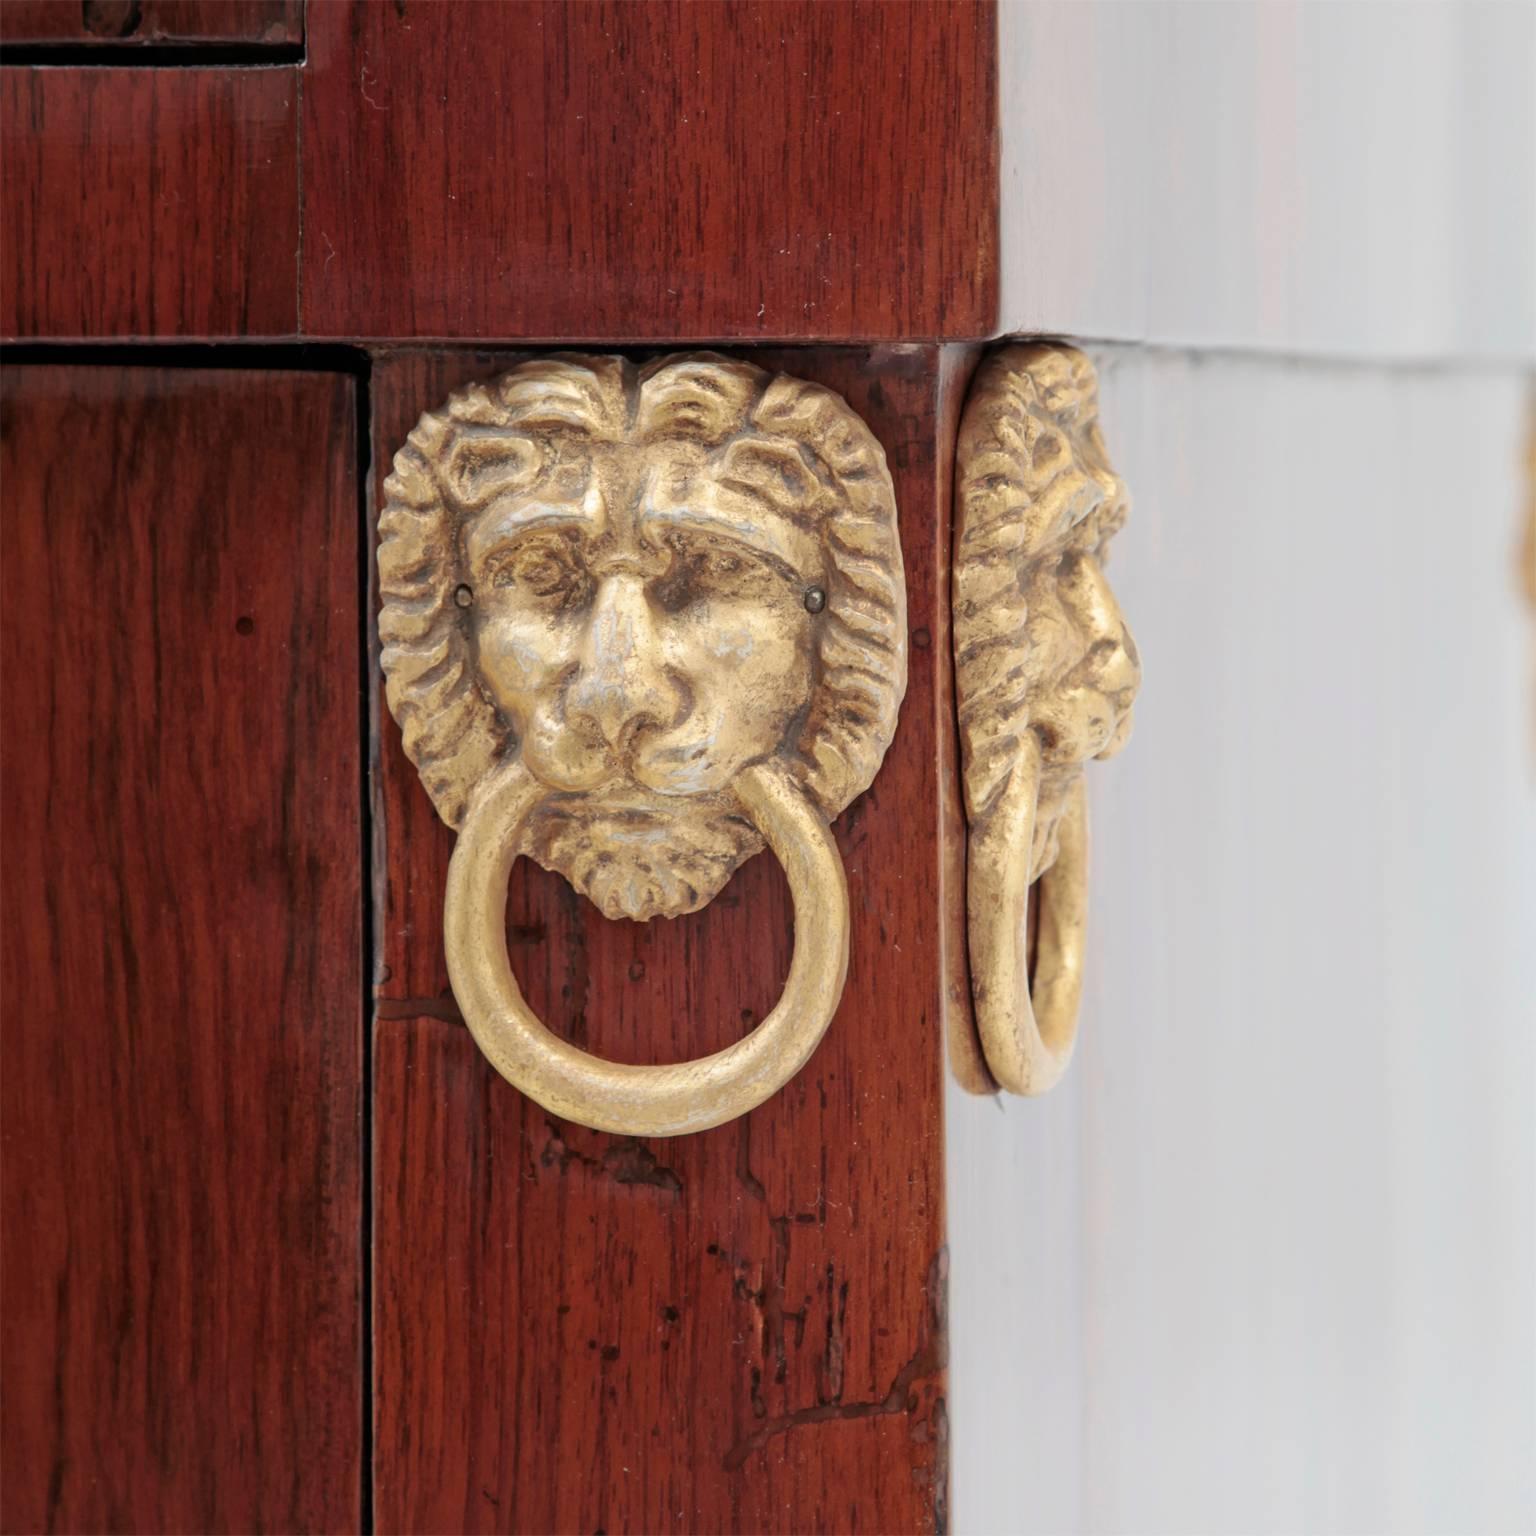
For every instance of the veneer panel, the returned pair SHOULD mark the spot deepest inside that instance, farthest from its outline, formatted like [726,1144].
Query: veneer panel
[119,24]
[149,202]
[180,953]
[528,171]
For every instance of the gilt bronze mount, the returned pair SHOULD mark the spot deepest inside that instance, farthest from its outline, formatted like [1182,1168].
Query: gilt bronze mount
[1045,675]
[637,622]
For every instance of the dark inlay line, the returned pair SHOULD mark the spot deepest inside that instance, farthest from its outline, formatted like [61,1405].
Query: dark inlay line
[130,55]
[290,356]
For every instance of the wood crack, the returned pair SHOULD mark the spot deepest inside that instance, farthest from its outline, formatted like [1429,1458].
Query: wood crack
[929,1359]
[626,1161]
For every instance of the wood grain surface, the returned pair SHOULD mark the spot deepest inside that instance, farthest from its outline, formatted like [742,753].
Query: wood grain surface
[129,23]
[181,952]
[540,171]
[742,1330]
[149,202]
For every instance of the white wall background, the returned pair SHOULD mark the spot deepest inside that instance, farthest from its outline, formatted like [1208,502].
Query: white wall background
[1342,177]
[1266,1261]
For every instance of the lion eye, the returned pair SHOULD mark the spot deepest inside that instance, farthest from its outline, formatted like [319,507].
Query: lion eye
[721,566]
[542,574]
[701,568]
[542,569]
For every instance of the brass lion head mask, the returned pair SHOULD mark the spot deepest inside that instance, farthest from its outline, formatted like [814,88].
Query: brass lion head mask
[1046,673]
[619,601]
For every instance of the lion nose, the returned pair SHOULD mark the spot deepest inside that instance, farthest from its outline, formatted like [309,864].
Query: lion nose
[622,684]
[1117,664]
[1114,663]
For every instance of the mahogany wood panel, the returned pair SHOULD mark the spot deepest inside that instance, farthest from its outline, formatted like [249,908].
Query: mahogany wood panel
[149,202]
[133,22]
[741,1330]
[180,952]
[527,171]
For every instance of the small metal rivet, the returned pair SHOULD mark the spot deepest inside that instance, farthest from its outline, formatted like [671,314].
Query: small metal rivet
[463,595]
[815,599]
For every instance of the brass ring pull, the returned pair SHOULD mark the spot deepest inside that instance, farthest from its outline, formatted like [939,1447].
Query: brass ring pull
[616,1096]
[1028,1028]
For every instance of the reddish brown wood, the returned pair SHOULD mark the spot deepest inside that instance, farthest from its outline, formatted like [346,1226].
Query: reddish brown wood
[180,953]
[154,202]
[741,1330]
[133,22]
[667,170]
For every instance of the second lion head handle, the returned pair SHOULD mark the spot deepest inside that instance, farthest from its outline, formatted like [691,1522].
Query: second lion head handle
[640,621]
[1046,673]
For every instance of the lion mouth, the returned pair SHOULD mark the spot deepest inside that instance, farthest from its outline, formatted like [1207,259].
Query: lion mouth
[652,782]
[624,799]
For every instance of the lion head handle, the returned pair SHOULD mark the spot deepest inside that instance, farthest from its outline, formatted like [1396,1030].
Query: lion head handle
[639,581]
[1045,675]
[1041,646]
[638,622]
